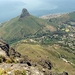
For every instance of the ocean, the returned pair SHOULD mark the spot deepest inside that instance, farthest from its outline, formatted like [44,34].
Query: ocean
[9,10]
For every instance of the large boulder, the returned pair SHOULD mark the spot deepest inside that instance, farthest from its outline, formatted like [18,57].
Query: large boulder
[45,63]
[64,73]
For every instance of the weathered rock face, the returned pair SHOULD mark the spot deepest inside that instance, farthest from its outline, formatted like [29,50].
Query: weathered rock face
[45,64]
[24,13]
[13,53]
[10,69]
[27,65]
[64,73]
[5,50]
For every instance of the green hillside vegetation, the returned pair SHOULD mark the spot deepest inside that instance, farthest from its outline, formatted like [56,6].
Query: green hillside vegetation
[17,29]
[72,15]
[54,53]
[30,26]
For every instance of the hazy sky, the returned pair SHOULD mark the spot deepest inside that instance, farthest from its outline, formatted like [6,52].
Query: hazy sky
[12,8]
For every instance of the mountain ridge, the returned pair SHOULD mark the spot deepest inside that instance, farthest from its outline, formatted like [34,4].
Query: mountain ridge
[22,26]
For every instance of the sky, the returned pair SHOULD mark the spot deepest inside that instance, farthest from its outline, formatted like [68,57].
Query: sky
[13,8]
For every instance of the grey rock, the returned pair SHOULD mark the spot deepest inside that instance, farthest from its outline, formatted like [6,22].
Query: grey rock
[64,73]
[21,67]
[24,13]
[14,53]
[4,47]
[46,64]
[6,51]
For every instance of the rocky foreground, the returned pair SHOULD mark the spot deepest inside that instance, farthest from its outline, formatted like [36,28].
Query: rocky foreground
[20,69]
[23,69]
[12,63]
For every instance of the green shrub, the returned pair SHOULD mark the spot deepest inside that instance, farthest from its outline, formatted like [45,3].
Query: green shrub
[18,72]
[8,61]
[3,72]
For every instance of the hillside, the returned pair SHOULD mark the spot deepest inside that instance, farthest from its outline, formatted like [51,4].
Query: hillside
[12,62]
[21,27]
[61,59]
[47,44]
[58,46]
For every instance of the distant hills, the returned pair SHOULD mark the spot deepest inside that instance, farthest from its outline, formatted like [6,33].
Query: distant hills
[27,25]
[23,26]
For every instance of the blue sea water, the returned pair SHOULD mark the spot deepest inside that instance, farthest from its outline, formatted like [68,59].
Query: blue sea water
[12,9]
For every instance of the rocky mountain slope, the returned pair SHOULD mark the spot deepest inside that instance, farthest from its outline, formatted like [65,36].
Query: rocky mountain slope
[7,52]
[12,63]
[46,45]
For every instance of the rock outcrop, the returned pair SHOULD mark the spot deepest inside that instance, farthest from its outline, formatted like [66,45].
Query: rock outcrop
[24,13]
[45,64]
[64,73]
[14,53]
[5,50]
[23,64]
[19,69]
[12,69]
